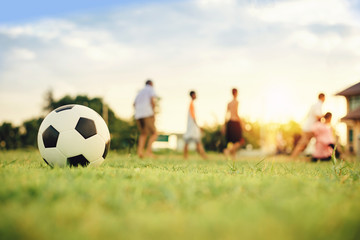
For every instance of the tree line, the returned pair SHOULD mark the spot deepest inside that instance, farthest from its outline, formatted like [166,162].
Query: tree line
[124,132]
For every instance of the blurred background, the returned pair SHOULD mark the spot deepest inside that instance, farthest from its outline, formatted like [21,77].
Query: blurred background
[279,54]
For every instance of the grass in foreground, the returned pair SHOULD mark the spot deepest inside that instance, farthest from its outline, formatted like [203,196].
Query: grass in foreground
[169,198]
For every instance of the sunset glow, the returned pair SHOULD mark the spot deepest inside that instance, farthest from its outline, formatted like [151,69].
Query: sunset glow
[279,54]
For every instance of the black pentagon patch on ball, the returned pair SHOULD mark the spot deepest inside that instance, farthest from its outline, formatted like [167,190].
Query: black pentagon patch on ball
[86,127]
[66,107]
[47,162]
[106,150]
[77,160]
[50,137]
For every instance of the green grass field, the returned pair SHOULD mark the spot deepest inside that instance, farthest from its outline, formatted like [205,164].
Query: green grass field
[169,198]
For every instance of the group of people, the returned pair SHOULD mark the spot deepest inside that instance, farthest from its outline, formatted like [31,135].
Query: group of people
[144,105]
[317,125]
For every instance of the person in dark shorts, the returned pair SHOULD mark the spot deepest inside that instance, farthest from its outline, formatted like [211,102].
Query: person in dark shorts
[233,131]
[233,127]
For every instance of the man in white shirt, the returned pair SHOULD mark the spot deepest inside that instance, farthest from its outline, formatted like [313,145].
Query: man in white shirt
[315,114]
[145,118]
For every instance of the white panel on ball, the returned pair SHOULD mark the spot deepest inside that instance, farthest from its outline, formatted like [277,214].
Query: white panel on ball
[71,143]
[54,157]
[63,121]
[97,162]
[95,147]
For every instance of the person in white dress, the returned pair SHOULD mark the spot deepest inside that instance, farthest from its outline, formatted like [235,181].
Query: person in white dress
[193,132]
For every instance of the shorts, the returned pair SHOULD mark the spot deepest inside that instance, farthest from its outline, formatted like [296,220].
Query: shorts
[192,139]
[146,125]
[233,132]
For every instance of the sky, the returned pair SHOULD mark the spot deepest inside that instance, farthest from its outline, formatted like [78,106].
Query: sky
[279,54]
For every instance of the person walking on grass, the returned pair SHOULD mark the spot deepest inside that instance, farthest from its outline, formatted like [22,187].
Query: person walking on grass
[144,105]
[232,127]
[193,132]
[315,114]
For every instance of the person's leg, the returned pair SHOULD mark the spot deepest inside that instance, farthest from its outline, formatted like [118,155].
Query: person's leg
[200,150]
[141,145]
[298,149]
[228,137]
[186,150]
[227,152]
[233,134]
[152,138]
[303,142]
[142,138]
[150,129]
[234,149]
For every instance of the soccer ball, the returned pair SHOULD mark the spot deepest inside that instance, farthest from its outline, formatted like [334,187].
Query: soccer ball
[73,135]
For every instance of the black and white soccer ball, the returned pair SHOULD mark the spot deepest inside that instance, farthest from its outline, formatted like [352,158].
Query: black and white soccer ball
[73,135]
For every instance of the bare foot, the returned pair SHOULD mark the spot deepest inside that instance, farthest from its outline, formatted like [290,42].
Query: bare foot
[227,152]
[140,155]
[150,155]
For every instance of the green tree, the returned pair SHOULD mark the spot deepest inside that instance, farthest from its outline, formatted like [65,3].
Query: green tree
[252,133]
[123,132]
[30,130]
[9,136]
[213,139]
[291,132]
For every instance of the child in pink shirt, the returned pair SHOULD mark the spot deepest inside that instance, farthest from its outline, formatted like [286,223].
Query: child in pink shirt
[325,141]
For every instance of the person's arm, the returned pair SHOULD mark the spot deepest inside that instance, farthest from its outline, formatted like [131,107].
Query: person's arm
[153,98]
[153,104]
[318,112]
[227,113]
[315,129]
[237,111]
[135,100]
[319,117]
[192,112]
[241,124]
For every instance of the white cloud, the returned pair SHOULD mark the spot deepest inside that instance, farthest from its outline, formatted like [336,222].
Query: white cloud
[215,3]
[352,44]
[327,43]
[208,48]
[47,29]
[305,12]
[22,54]
[312,41]
[98,45]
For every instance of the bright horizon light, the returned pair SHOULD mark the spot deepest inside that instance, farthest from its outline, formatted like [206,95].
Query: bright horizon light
[279,54]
